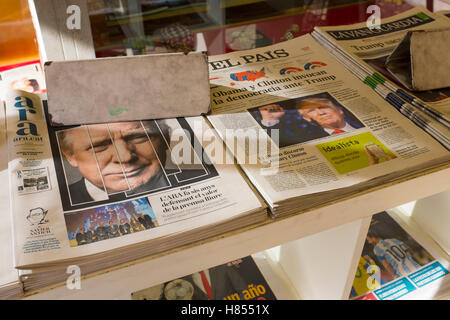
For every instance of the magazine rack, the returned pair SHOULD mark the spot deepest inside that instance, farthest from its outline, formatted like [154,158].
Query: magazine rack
[328,239]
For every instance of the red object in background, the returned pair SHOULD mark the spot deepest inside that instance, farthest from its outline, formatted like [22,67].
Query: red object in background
[369,296]
[17,65]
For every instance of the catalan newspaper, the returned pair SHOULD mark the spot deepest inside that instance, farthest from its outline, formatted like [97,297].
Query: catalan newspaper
[9,277]
[369,49]
[29,78]
[305,130]
[100,191]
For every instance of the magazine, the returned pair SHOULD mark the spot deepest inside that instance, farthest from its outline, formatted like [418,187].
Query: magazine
[430,122]
[368,49]
[105,194]
[29,78]
[305,130]
[10,286]
[236,280]
[393,265]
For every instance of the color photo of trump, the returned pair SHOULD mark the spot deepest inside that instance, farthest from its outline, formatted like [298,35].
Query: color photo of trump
[110,221]
[332,117]
[304,119]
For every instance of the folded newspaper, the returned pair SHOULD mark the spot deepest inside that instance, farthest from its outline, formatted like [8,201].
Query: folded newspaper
[106,194]
[10,286]
[365,51]
[306,131]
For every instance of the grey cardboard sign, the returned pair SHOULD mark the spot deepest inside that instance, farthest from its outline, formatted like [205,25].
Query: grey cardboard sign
[127,88]
[420,61]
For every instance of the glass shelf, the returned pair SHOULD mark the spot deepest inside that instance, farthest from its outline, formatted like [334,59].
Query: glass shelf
[133,27]
[145,27]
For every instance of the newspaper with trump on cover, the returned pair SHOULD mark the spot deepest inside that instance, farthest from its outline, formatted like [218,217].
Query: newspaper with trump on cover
[305,130]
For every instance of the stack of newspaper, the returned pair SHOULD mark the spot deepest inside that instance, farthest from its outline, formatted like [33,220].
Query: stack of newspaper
[98,196]
[248,278]
[31,79]
[306,130]
[364,51]
[10,286]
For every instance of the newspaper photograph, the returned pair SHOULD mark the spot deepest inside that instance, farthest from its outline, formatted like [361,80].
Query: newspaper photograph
[88,189]
[327,129]
[371,47]
[29,78]
[393,264]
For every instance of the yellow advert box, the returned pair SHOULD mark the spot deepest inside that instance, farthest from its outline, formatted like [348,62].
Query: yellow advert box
[355,152]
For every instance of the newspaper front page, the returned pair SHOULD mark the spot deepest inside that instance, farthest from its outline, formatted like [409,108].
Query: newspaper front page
[82,190]
[325,129]
[31,79]
[236,280]
[371,47]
